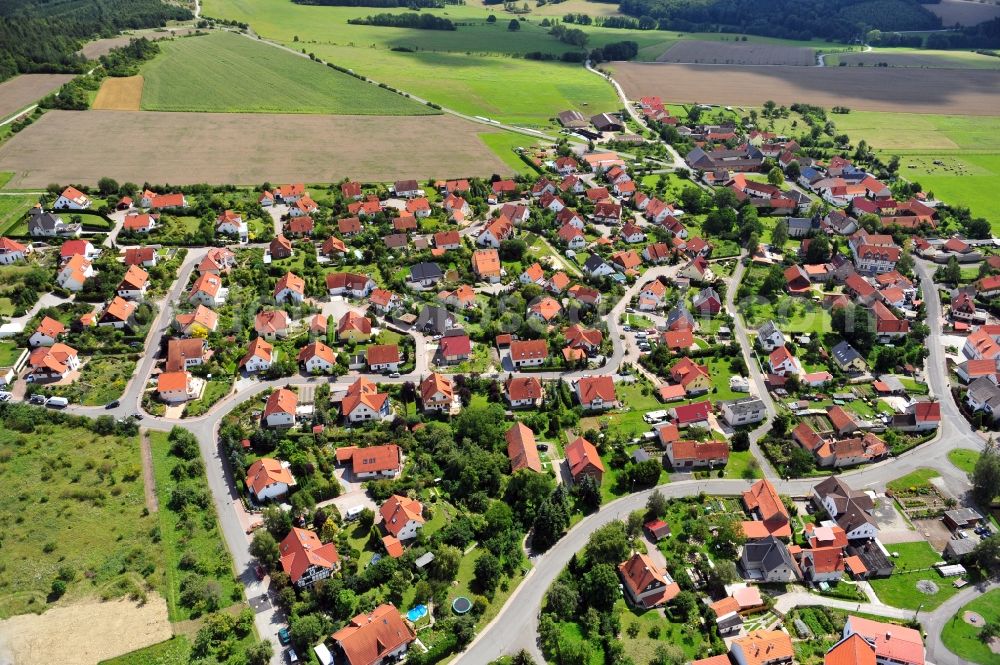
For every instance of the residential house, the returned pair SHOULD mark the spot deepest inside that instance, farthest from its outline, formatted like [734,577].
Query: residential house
[437,393]
[771,518]
[646,584]
[217,260]
[363,403]
[383,357]
[43,224]
[528,353]
[183,354]
[305,559]
[230,222]
[743,411]
[52,363]
[279,411]
[72,199]
[134,284]
[385,461]
[522,449]
[486,265]
[545,309]
[769,337]
[783,363]
[582,460]
[693,377]
[707,302]
[74,274]
[686,455]
[208,290]
[374,639]
[174,387]
[894,644]
[596,393]
[268,478]
[768,560]
[47,333]
[271,324]
[763,647]
[353,285]
[117,314]
[694,414]
[259,356]
[848,358]
[425,274]
[453,348]
[140,256]
[495,232]
[317,357]
[12,251]
[402,517]
[523,391]
[199,322]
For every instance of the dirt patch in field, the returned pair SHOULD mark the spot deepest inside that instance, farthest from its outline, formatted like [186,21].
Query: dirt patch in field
[723,53]
[26,89]
[95,49]
[957,91]
[243,148]
[963,12]
[148,479]
[119,94]
[83,633]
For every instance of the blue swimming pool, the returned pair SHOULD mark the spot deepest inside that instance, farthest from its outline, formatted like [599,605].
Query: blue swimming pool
[417,613]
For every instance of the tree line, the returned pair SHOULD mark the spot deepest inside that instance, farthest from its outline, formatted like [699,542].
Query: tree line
[40,36]
[409,20]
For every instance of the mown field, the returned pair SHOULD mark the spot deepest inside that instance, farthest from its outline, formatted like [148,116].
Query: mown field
[956,157]
[226,73]
[900,57]
[72,507]
[119,94]
[738,53]
[244,148]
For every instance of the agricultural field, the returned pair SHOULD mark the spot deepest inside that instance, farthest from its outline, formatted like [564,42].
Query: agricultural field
[964,12]
[24,90]
[119,94]
[82,523]
[225,73]
[187,148]
[909,90]
[12,208]
[956,157]
[738,53]
[916,58]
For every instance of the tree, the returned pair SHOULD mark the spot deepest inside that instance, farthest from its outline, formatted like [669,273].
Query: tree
[514,25]
[550,522]
[260,653]
[601,586]
[491,18]
[775,176]
[656,505]
[779,235]
[986,477]
[668,654]
[608,544]
[952,272]
[793,170]
[563,600]
[265,548]
[307,630]
[819,249]
[107,186]
[487,572]
[986,554]
[58,588]
[589,491]
[446,562]
[741,441]
[526,492]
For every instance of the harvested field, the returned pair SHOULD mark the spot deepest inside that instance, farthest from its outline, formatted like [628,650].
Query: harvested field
[26,89]
[95,49]
[954,91]
[723,53]
[119,94]
[83,633]
[927,59]
[964,12]
[243,148]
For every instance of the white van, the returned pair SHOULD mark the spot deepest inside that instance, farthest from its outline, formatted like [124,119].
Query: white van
[353,513]
[57,402]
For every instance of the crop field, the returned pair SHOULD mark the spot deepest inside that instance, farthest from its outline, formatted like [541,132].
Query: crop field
[737,53]
[917,58]
[187,148]
[119,94]
[223,72]
[907,90]
[954,156]
[964,12]
[24,90]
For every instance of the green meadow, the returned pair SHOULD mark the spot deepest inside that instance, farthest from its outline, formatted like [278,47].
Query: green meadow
[955,157]
[226,73]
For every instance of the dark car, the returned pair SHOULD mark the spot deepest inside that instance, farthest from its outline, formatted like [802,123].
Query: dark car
[284,637]
[113,404]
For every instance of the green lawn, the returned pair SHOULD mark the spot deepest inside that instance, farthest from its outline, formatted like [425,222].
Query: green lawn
[72,506]
[12,209]
[102,379]
[794,315]
[900,590]
[963,458]
[9,353]
[916,479]
[504,144]
[215,389]
[742,465]
[226,73]
[963,639]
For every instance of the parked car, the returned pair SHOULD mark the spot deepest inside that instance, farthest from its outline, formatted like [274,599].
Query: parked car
[5,396]
[284,637]
[57,402]
[292,656]
[113,404]
[37,399]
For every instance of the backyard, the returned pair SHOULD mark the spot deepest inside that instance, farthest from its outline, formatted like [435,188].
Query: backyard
[914,566]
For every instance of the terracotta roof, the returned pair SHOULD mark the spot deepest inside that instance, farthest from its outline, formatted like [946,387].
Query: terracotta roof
[258,348]
[547,308]
[523,388]
[302,549]
[202,316]
[765,646]
[352,320]
[436,383]
[580,454]
[368,638]
[764,499]
[528,349]
[118,309]
[486,262]
[852,650]
[172,381]
[292,282]
[453,346]
[398,510]
[380,354]
[270,321]
[376,459]
[317,349]
[639,572]
[281,401]
[364,392]
[138,255]
[50,327]
[593,387]
[892,642]
[700,451]
[522,449]
[53,358]
[135,278]
[208,284]
[180,350]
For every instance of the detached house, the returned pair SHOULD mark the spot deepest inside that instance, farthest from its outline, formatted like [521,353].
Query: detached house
[523,391]
[583,460]
[528,353]
[269,478]
[279,411]
[771,518]
[271,324]
[685,455]
[12,251]
[377,638]
[317,357]
[72,199]
[52,363]
[259,356]
[351,284]
[522,449]
[290,288]
[207,290]
[383,358]
[437,393]
[647,585]
[47,333]
[596,393]
[134,284]
[373,461]
[305,559]
[74,274]
[363,403]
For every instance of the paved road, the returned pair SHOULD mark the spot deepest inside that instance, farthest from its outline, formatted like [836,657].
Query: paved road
[934,622]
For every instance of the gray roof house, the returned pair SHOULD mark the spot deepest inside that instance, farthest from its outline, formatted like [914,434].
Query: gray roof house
[435,320]
[743,411]
[572,119]
[678,317]
[597,266]
[984,395]
[836,497]
[425,273]
[799,227]
[847,357]
[768,560]
[769,337]
[605,122]
[47,224]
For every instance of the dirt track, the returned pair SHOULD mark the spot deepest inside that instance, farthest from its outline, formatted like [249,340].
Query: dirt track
[83,633]
[188,148]
[968,92]
[26,89]
[711,53]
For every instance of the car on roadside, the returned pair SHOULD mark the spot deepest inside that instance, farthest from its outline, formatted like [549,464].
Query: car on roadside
[113,404]
[5,396]
[284,636]
[292,656]
[37,399]
[394,375]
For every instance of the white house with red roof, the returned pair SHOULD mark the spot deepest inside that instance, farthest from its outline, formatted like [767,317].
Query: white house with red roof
[364,403]
[231,223]
[647,585]
[74,274]
[783,363]
[279,411]
[47,333]
[134,284]
[269,478]
[12,251]
[305,559]
[377,638]
[894,644]
[54,362]
[596,393]
[317,357]
[259,356]
[208,290]
[402,517]
[72,199]
[523,391]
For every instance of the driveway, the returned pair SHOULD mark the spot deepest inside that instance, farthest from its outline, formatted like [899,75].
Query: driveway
[353,494]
